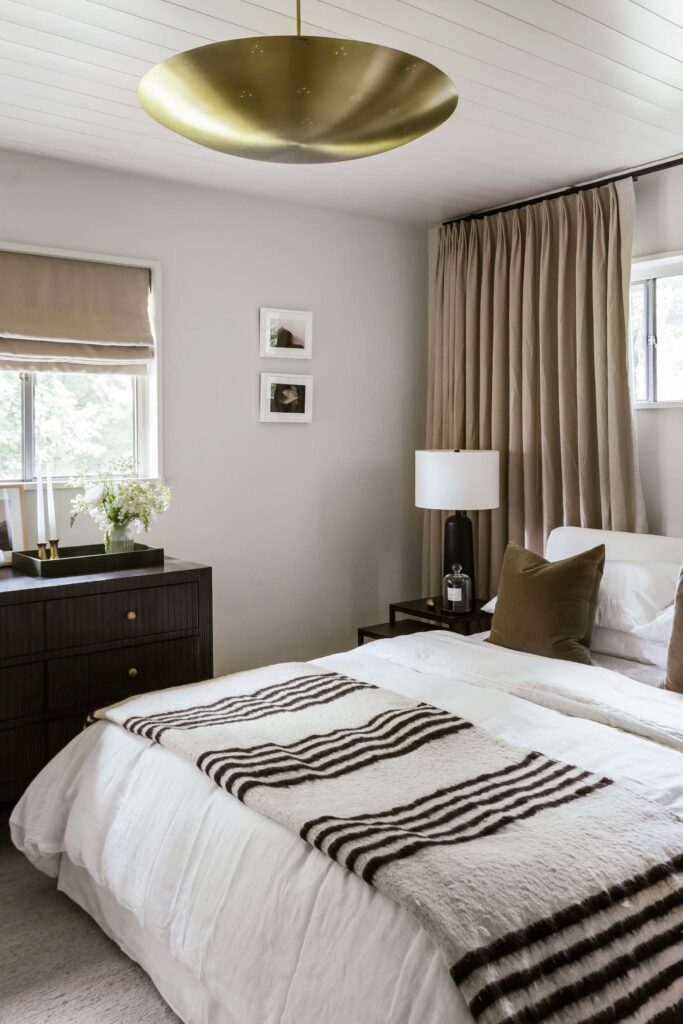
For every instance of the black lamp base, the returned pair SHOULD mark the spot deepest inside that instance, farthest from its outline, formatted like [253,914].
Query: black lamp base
[458,546]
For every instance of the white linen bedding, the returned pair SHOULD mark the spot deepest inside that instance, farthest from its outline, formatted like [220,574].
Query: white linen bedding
[267,927]
[650,673]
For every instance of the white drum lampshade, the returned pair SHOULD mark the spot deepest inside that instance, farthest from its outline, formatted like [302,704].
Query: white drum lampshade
[457,480]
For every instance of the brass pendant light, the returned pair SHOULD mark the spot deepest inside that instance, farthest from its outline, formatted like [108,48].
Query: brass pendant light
[298,99]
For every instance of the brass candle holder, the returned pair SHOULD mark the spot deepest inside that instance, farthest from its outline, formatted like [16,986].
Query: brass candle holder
[42,551]
[54,549]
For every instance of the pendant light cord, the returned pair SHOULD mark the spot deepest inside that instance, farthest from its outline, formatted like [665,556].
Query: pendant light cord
[298,17]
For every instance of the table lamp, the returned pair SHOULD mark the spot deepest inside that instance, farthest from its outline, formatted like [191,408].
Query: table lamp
[457,480]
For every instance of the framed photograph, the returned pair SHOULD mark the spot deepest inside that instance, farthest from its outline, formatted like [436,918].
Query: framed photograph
[286,398]
[286,334]
[12,522]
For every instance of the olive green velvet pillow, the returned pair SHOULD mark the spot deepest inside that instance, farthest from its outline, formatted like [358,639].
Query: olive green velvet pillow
[674,664]
[546,607]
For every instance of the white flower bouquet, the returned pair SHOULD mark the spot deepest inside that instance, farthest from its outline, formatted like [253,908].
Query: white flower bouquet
[120,500]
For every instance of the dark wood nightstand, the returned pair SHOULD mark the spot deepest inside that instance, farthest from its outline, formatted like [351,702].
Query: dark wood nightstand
[419,609]
[423,617]
[387,630]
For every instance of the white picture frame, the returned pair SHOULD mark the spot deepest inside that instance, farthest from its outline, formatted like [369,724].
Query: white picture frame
[277,393]
[12,522]
[294,325]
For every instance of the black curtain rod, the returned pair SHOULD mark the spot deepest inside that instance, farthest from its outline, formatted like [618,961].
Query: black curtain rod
[570,190]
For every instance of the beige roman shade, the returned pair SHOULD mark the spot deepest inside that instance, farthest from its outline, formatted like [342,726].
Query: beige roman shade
[70,315]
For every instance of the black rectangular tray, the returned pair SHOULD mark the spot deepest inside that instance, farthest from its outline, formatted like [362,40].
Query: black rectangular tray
[79,561]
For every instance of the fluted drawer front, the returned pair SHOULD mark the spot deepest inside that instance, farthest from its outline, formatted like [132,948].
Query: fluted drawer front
[127,614]
[22,691]
[62,730]
[22,752]
[22,629]
[92,681]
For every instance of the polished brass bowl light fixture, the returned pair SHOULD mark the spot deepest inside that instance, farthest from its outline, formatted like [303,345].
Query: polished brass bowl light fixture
[298,99]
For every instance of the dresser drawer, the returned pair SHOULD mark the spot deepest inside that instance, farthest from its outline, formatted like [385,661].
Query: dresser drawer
[22,629]
[22,691]
[126,614]
[22,752]
[92,681]
[61,731]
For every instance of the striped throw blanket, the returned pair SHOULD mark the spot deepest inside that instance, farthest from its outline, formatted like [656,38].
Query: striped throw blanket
[554,895]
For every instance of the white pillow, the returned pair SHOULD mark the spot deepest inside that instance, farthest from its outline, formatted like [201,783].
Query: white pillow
[660,629]
[618,644]
[634,597]
[648,644]
[650,675]
[632,594]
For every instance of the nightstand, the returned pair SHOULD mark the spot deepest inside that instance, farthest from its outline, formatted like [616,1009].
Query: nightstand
[423,617]
[462,622]
[387,630]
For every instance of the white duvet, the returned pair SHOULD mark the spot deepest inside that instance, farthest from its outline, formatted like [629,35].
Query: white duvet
[240,922]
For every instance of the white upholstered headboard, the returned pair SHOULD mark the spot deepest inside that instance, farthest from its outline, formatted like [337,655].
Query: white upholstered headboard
[624,547]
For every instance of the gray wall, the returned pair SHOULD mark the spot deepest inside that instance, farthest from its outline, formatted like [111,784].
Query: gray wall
[659,229]
[311,529]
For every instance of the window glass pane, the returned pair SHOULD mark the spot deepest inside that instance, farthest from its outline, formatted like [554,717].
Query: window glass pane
[639,341]
[10,425]
[84,421]
[670,339]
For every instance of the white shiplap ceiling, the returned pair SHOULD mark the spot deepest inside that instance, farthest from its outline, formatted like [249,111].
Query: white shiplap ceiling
[552,92]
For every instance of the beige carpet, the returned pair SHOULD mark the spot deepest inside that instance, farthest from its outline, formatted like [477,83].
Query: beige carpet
[56,966]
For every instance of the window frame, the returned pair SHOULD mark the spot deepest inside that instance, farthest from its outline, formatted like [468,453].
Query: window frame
[646,270]
[148,432]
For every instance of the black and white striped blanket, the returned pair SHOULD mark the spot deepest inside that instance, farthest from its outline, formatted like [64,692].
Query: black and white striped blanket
[553,894]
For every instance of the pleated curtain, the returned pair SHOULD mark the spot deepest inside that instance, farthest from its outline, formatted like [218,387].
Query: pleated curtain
[528,354]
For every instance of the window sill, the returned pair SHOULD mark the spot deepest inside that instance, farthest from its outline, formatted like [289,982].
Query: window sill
[657,405]
[65,485]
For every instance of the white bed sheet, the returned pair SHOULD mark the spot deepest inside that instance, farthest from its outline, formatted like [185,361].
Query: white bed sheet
[263,928]
[643,672]
[650,675]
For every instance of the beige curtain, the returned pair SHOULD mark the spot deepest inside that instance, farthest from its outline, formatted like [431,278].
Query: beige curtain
[528,354]
[68,314]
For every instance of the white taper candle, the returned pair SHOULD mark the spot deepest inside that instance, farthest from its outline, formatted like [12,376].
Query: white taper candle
[5,496]
[51,518]
[40,510]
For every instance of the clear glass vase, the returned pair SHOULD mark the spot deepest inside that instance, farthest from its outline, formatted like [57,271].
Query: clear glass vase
[120,539]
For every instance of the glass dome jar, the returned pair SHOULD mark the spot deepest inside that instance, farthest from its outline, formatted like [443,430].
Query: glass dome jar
[457,591]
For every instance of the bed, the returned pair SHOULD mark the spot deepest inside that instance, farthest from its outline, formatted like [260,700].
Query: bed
[239,921]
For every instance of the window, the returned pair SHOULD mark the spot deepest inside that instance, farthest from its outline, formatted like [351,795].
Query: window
[657,330]
[76,423]
[77,365]
[11,427]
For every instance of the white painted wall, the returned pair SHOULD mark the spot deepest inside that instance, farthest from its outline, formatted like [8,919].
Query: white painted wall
[659,228]
[310,529]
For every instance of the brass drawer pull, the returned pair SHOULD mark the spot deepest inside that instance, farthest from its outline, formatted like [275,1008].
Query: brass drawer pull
[132,672]
[131,616]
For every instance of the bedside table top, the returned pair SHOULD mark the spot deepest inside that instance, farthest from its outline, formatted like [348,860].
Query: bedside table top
[421,610]
[388,630]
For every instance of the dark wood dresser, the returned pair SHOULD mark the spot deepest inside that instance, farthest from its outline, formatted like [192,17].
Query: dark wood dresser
[70,646]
